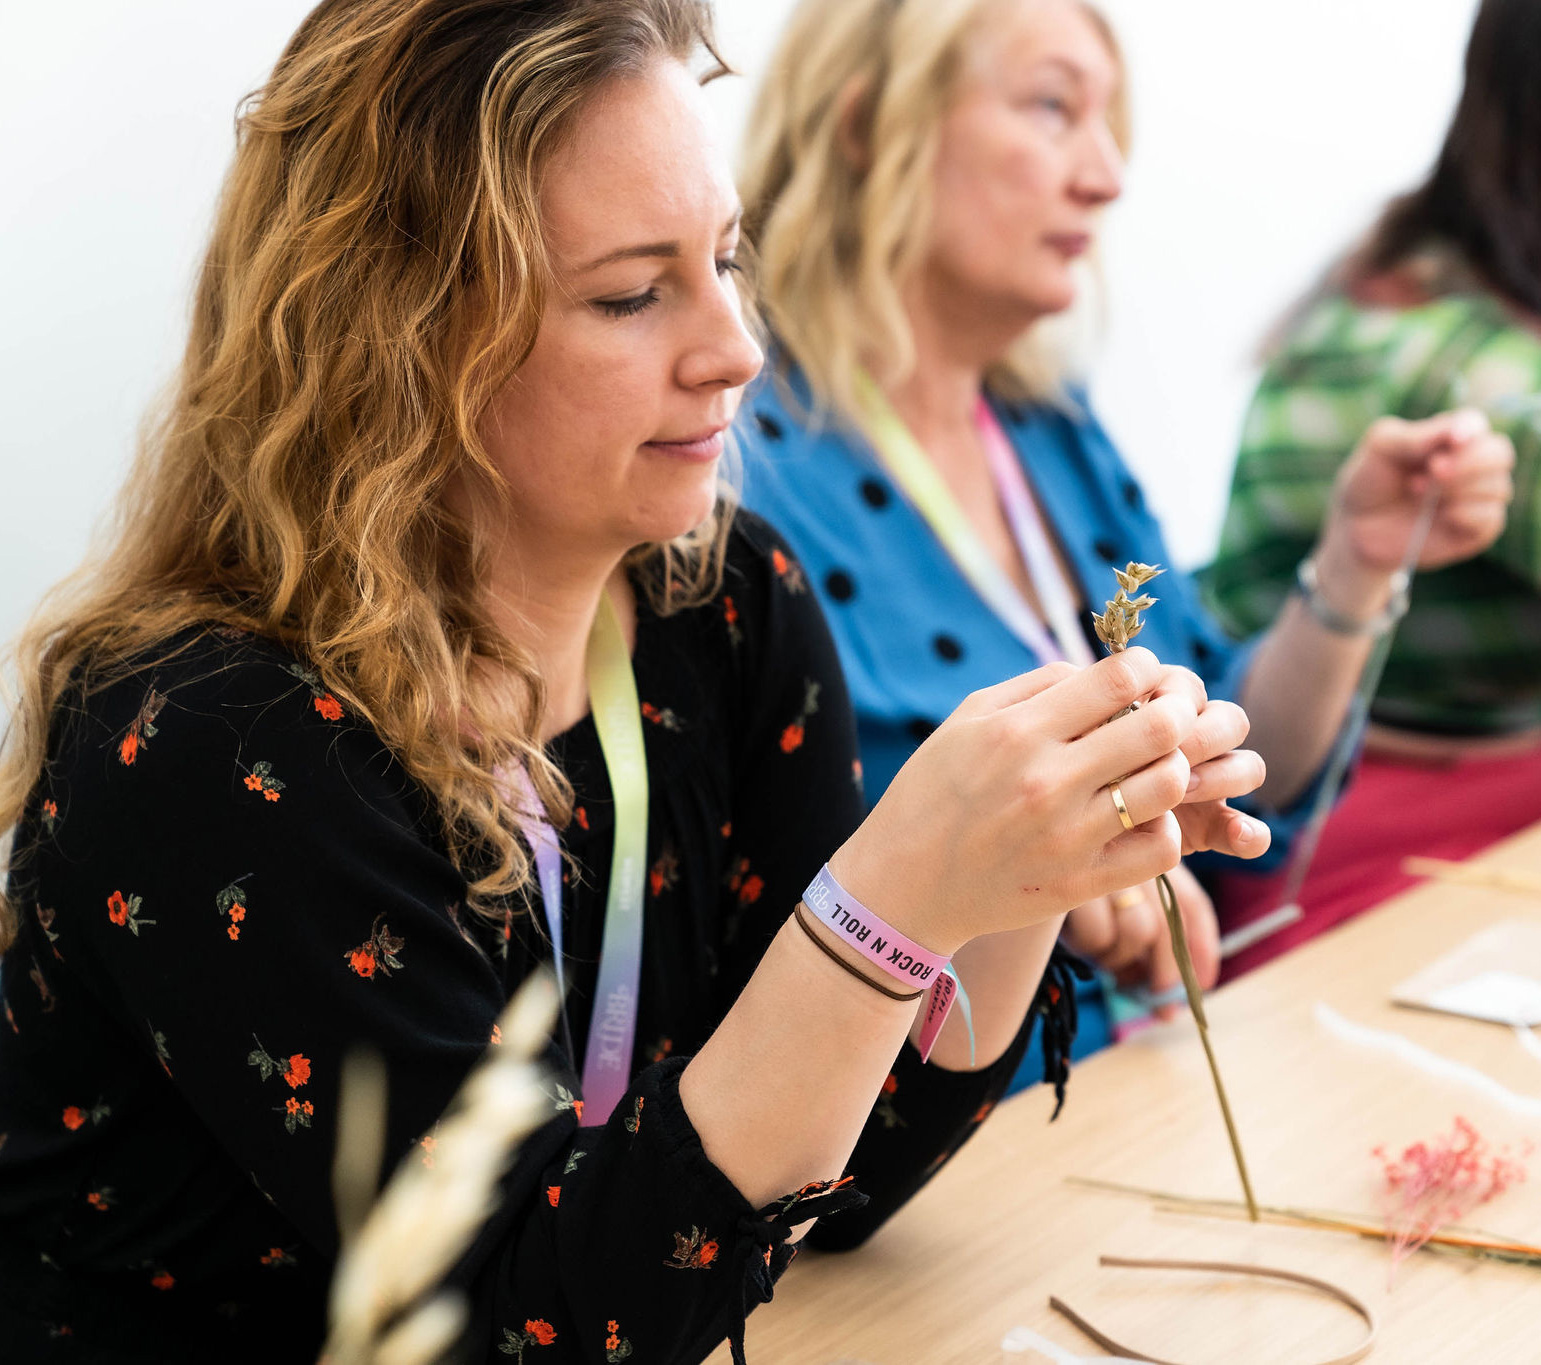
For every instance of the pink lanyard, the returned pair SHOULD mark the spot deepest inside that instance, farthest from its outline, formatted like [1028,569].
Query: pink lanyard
[928,493]
[1032,537]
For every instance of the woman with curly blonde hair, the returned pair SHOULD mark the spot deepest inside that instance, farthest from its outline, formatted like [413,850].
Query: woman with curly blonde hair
[924,184]
[428,651]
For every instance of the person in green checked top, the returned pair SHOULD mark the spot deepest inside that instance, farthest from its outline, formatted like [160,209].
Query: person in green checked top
[1439,307]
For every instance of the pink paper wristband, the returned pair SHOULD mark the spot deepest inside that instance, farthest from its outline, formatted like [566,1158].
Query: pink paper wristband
[875,939]
[902,958]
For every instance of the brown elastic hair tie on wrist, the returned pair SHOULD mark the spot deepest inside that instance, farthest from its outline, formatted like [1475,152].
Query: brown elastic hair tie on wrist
[839,961]
[1221,1268]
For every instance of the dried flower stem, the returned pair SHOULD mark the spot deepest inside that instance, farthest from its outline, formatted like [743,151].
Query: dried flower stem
[1116,627]
[1430,1185]
[1464,874]
[1468,1242]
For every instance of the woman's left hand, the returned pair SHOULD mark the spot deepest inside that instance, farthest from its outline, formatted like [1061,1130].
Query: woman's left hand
[1379,493]
[1126,934]
[1218,771]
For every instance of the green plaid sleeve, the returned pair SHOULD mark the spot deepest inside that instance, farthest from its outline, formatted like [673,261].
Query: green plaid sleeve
[1468,657]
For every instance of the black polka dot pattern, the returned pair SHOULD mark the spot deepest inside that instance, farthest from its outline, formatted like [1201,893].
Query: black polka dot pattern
[874,494]
[1106,549]
[920,730]
[947,648]
[769,425]
[840,586]
[1132,495]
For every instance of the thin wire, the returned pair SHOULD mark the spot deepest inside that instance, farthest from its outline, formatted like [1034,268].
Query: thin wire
[1354,726]
[1289,908]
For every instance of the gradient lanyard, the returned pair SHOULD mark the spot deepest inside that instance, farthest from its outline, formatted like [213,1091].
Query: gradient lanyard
[618,719]
[927,491]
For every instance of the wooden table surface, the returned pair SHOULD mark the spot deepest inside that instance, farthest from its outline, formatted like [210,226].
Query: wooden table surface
[980,1249]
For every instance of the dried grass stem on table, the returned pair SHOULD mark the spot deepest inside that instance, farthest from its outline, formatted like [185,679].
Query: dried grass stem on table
[1453,1240]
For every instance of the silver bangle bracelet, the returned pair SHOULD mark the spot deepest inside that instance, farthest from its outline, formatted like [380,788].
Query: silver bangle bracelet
[1334,620]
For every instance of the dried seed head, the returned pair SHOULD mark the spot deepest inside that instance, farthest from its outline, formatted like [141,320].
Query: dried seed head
[1120,623]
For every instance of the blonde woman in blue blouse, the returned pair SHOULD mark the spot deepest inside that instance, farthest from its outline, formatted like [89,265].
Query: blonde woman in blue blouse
[925,184]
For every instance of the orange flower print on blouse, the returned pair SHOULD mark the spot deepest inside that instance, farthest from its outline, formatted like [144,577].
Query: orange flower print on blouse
[126,912]
[49,814]
[75,1117]
[884,1108]
[695,1252]
[378,952]
[792,737]
[49,1000]
[617,1347]
[232,902]
[553,1195]
[664,875]
[565,1099]
[537,1332]
[634,1123]
[812,1190]
[789,572]
[141,729]
[261,779]
[158,1039]
[295,1073]
[326,705]
[581,815]
[730,615]
[103,1199]
[163,1279]
[297,1113]
[666,718]
[45,922]
[276,1256]
[744,884]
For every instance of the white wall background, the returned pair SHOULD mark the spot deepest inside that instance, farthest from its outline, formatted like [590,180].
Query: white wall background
[1267,134]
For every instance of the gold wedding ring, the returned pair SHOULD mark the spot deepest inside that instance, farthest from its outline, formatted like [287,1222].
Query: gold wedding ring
[1119,806]
[1123,900]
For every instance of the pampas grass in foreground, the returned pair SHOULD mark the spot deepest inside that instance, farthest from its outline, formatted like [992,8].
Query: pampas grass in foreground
[386,1306]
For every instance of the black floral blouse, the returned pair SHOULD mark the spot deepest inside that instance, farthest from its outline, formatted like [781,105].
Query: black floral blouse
[227,883]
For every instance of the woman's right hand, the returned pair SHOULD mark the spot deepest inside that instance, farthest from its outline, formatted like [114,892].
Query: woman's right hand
[1002,818]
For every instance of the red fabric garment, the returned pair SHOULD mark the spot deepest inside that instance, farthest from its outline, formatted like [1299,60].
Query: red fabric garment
[1394,809]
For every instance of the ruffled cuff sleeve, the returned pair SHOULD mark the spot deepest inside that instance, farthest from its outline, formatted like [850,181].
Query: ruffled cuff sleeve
[627,1241]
